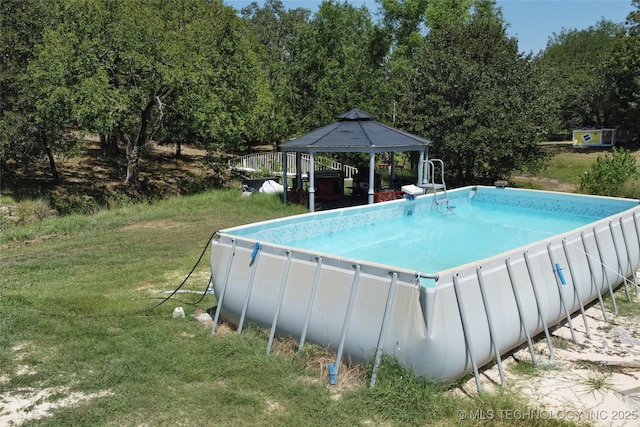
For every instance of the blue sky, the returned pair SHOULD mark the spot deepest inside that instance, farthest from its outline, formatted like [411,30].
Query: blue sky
[531,21]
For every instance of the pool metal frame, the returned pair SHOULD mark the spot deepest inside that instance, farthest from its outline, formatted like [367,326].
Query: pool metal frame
[363,309]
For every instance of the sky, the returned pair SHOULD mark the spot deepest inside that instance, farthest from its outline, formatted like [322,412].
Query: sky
[532,22]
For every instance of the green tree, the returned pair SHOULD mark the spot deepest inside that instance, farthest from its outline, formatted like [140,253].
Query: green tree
[276,29]
[408,23]
[624,72]
[404,21]
[577,66]
[336,64]
[471,93]
[447,13]
[34,117]
[128,67]
[223,96]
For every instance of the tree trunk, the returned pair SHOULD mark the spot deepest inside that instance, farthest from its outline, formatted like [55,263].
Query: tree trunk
[133,146]
[132,151]
[108,145]
[52,162]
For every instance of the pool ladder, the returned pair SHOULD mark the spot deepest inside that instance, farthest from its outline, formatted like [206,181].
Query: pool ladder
[442,200]
[439,197]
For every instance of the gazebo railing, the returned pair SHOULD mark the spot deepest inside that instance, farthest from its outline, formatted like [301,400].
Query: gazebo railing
[272,161]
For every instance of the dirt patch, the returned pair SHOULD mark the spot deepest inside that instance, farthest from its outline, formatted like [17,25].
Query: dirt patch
[315,360]
[223,329]
[30,404]
[8,211]
[185,150]
[350,376]
[160,223]
[24,404]
[198,279]
[145,286]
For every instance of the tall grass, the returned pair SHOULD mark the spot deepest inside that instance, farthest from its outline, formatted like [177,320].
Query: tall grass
[75,319]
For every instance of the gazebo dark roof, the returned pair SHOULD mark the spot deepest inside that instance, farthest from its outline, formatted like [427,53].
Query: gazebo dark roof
[356,131]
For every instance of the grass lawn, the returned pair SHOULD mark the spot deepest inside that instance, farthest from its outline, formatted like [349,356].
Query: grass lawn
[81,347]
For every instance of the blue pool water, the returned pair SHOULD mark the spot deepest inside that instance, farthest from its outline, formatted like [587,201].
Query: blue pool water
[430,241]
[413,234]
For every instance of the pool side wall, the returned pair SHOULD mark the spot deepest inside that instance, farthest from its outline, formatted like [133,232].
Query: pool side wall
[327,308]
[513,308]
[341,303]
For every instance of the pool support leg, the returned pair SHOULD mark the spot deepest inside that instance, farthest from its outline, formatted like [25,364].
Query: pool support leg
[383,328]
[220,299]
[283,286]
[312,299]
[619,259]
[541,318]
[255,255]
[575,288]
[559,286]
[507,262]
[636,223]
[604,271]
[347,316]
[467,339]
[593,277]
[627,247]
[492,333]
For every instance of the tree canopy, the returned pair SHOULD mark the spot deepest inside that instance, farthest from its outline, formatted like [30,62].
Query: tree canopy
[126,70]
[202,73]
[471,93]
[577,65]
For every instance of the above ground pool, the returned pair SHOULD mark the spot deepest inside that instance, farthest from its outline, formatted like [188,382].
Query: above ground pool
[439,286]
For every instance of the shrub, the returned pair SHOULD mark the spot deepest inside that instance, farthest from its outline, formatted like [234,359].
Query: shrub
[33,211]
[607,176]
[218,174]
[631,187]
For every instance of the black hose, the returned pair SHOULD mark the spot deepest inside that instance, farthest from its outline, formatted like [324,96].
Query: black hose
[175,291]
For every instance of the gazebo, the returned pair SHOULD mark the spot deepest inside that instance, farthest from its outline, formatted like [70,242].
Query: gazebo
[354,132]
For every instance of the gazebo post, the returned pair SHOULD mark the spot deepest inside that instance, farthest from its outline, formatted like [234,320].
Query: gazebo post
[393,168]
[298,170]
[372,173]
[312,185]
[285,177]
[343,159]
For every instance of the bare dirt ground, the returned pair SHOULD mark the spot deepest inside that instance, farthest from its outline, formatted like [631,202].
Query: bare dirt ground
[91,177]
